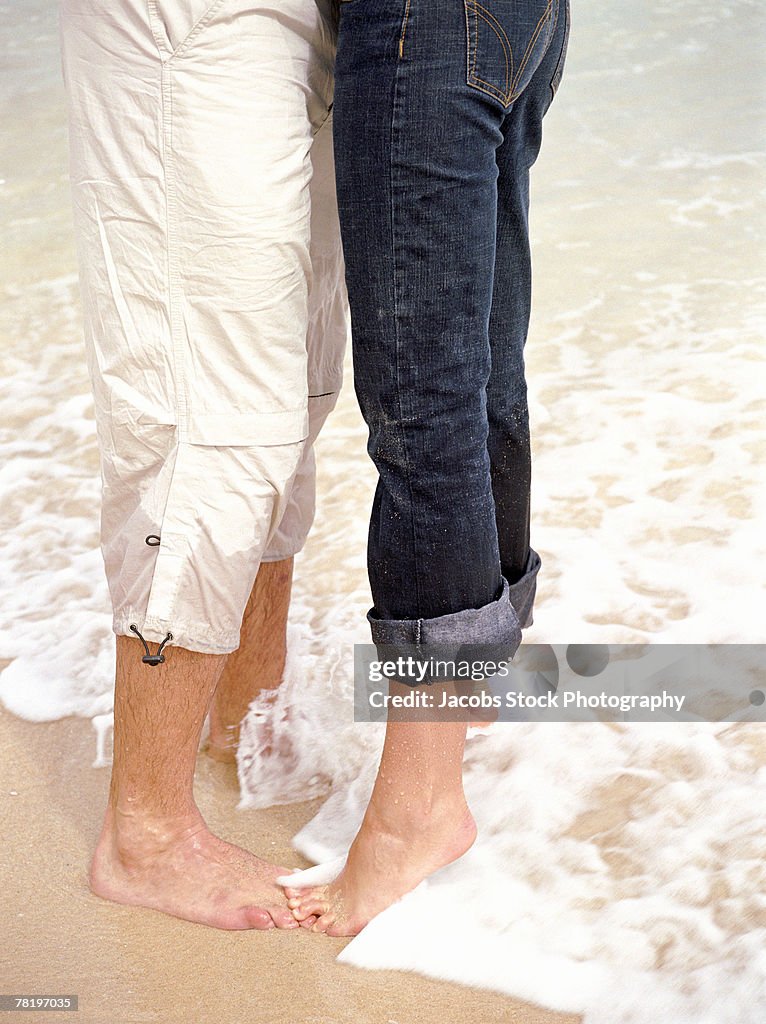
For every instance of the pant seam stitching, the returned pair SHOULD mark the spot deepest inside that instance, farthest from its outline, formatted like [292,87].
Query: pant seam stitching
[395,135]
[173,269]
[196,29]
[404,28]
[501,34]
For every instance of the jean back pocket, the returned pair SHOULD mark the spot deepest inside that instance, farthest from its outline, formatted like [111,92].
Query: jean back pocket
[507,39]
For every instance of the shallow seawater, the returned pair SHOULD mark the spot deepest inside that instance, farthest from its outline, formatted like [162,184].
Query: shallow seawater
[620,869]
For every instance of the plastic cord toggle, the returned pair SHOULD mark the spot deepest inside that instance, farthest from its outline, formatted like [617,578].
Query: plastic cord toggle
[149,658]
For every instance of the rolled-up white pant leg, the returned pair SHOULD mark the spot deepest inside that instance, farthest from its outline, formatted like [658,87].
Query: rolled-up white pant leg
[191,131]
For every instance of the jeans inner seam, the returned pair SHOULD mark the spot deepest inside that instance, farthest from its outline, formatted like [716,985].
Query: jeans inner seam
[396,134]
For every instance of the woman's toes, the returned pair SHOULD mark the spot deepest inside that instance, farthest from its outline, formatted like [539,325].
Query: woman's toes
[302,907]
[323,923]
[300,913]
[290,892]
[309,910]
[340,928]
[307,923]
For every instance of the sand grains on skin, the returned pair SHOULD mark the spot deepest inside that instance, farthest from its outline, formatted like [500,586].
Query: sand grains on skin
[198,878]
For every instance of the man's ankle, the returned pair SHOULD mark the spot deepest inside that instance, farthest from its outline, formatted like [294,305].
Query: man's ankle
[137,833]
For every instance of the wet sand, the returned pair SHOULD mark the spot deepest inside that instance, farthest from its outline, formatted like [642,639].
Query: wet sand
[132,965]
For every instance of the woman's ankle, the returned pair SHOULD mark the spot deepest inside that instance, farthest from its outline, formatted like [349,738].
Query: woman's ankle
[418,808]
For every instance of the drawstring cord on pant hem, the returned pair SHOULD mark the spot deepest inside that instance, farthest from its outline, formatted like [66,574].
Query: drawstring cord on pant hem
[149,658]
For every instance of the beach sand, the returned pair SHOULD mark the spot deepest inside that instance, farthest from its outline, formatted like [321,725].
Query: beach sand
[133,965]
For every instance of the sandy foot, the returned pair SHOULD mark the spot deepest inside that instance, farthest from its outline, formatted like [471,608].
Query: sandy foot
[386,861]
[193,875]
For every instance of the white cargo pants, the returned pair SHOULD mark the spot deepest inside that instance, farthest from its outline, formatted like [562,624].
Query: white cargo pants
[211,279]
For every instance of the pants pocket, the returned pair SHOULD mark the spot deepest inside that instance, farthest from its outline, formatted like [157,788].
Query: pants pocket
[507,39]
[175,23]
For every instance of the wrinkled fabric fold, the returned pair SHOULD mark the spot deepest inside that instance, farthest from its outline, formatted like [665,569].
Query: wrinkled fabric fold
[213,299]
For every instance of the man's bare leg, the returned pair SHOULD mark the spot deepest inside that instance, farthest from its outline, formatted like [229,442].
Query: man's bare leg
[259,661]
[155,849]
[417,821]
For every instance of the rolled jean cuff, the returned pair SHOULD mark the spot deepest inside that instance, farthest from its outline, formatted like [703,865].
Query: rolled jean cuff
[522,592]
[491,628]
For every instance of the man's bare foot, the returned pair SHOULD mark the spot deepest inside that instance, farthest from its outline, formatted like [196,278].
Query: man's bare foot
[222,748]
[182,869]
[390,856]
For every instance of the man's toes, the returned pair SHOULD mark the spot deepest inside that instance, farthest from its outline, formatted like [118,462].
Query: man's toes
[291,892]
[282,917]
[307,923]
[258,918]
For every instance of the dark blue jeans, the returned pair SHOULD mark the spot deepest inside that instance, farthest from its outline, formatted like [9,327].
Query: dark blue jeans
[438,113]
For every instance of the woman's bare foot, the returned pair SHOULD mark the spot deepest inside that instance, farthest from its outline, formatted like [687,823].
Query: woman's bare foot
[182,869]
[393,852]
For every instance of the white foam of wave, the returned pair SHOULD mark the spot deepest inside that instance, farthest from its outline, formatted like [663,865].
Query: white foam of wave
[620,871]
[55,624]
